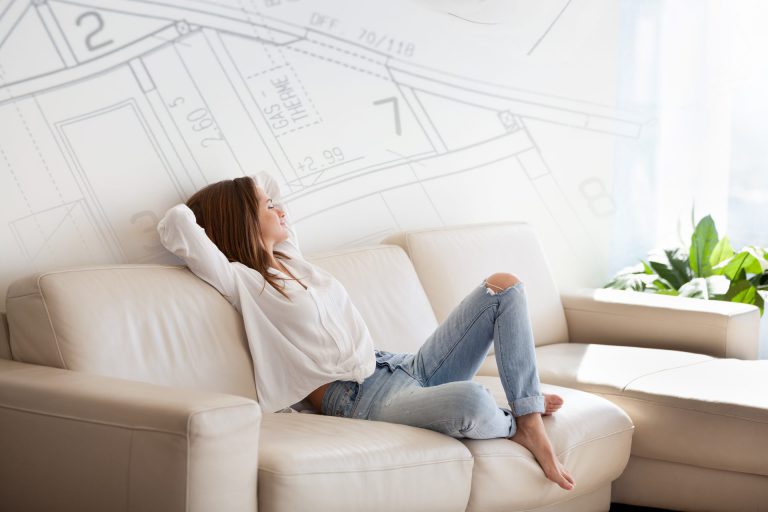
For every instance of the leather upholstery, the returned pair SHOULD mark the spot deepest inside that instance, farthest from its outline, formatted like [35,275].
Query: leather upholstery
[694,415]
[306,455]
[155,324]
[452,261]
[594,450]
[655,483]
[74,442]
[605,368]
[717,328]
[396,311]
[678,401]
[149,323]
[318,462]
[713,414]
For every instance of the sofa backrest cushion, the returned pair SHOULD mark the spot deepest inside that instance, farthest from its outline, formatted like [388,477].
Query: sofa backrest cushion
[158,324]
[452,261]
[385,289]
[162,324]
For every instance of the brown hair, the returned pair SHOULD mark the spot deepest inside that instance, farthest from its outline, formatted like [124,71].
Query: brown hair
[228,211]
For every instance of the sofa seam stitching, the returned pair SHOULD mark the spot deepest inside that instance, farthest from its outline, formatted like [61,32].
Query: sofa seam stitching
[605,436]
[381,247]
[391,468]
[576,445]
[119,425]
[564,501]
[128,476]
[94,268]
[50,322]
[678,407]
[463,227]
[663,370]
[90,421]
[624,315]
[728,314]
[698,466]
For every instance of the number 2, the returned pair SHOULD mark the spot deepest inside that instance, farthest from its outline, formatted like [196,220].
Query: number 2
[99,26]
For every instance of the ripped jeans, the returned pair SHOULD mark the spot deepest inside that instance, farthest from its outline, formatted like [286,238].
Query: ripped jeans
[433,388]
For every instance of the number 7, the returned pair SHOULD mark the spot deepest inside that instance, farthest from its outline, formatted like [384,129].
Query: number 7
[393,99]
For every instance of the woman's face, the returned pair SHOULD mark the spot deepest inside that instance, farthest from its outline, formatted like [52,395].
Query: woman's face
[271,219]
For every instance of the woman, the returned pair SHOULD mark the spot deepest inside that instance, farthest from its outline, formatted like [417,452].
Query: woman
[309,343]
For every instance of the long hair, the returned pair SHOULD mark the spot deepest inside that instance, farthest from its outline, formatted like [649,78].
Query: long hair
[228,212]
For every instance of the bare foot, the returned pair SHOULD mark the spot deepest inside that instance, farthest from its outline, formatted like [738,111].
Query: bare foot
[552,403]
[531,434]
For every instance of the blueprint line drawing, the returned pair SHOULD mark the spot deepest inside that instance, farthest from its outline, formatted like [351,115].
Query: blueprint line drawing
[130,106]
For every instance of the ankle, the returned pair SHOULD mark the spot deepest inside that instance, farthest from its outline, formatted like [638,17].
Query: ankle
[529,419]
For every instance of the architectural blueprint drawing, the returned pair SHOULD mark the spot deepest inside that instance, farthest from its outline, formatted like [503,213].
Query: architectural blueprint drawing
[373,117]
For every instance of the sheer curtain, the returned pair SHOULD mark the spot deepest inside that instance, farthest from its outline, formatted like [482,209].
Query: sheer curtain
[698,69]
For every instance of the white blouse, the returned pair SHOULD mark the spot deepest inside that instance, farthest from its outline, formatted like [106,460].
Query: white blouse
[298,345]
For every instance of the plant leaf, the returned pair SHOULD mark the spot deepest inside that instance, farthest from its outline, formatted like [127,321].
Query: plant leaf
[675,270]
[648,269]
[703,242]
[742,291]
[628,282]
[705,287]
[760,303]
[760,281]
[759,256]
[744,261]
[721,252]
[678,260]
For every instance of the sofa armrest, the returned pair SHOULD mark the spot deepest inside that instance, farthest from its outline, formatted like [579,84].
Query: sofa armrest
[74,441]
[620,317]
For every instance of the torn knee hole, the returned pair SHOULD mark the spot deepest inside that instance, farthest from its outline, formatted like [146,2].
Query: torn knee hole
[493,288]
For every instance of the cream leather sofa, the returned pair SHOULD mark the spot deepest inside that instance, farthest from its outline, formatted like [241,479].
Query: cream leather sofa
[130,388]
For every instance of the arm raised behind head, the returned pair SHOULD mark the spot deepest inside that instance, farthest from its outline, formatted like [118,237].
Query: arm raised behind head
[181,235]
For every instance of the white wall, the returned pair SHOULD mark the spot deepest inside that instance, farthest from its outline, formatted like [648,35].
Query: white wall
[394,115]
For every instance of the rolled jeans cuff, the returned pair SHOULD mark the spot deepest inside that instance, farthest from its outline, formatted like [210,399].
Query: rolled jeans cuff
[528,405]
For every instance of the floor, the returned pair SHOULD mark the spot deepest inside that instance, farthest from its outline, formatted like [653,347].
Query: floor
[617,507]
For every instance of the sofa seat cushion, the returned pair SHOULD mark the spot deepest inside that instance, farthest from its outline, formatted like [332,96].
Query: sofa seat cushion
[591,436]
[315,462]
[713,415]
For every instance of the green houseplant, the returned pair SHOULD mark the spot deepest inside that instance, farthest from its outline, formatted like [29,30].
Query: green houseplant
[708,269]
